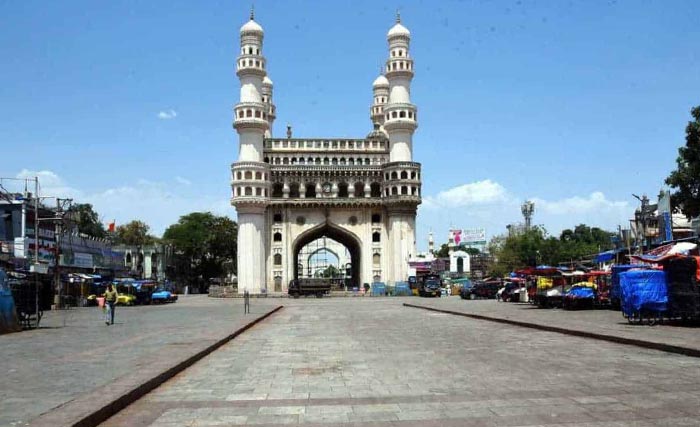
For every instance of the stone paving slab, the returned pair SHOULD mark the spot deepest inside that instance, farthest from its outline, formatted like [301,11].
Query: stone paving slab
[74,353]
[373,362]
[686,337]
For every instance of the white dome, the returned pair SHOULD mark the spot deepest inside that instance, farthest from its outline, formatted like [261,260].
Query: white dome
[267,81]
[381,81]
[398,30]
[251,27]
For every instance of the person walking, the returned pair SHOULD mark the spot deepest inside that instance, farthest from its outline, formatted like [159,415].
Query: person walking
[110,302]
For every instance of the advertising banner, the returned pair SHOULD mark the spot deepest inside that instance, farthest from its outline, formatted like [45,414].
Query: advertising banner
[469,236]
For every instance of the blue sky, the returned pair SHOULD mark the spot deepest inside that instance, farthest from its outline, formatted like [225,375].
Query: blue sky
[576,104]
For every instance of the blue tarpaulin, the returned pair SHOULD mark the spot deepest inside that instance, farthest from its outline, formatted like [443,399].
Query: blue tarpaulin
[616,271]
[605,256]
[643,291]
[581,292]
[402,289]
[378,289]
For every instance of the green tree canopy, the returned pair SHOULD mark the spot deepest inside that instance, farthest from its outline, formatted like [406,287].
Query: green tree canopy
[87,220]
[536,247]
[134,233]
[203,243]
[685,180]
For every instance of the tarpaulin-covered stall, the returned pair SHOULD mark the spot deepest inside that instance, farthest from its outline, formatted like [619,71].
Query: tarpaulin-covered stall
[644,294]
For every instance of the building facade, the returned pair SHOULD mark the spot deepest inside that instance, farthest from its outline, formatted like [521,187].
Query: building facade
[289,192]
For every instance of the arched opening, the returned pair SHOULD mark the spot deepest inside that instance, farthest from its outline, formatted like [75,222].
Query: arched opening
[394,175]
[277,237]
[359,189]
[376,237]
[128,258]
[343,189]
[376,260]
[325,233]
[294,190]
[310,190]
[404,175]
[404,190]
[375,189]
[277,259]
[277,189]
[460,265]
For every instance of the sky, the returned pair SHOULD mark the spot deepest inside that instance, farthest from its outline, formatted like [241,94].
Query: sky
[572,104]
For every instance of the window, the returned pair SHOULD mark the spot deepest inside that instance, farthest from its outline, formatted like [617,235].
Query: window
[376,237]
[343,189]
[248,175]
[277,217]
[359,189]
[258,191]
[311,190]
[277,237]
[294,190]
[413,175]
[404,189]
[249,191]
[277,189]
[394,191]
[258,175]
[238,175]
[278,259]
[375,191]
[376,218]
[376,260]
[394,175]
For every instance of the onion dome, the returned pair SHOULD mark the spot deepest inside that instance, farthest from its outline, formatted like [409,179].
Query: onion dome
[252,26]
[267,82]
[398,30]
[377,133]
[380,81]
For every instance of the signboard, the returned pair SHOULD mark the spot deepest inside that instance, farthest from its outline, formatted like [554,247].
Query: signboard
[20,247]
[469,236]
[82,260]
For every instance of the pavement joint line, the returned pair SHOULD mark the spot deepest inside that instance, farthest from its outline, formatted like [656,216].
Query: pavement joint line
[668,348]
[101,414]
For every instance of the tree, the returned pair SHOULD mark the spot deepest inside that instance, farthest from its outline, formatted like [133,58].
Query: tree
[87,220]
[204,244]
[685,180]
[134,233]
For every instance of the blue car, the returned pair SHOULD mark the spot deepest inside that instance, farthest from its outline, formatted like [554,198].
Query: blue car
[162,296]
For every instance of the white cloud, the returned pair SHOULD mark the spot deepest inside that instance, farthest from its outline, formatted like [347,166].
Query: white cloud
[167,114]
[484,192]
[155,203]
[183,181]
[488,204]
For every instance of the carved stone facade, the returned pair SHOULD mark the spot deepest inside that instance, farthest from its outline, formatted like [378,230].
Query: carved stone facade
[362,193]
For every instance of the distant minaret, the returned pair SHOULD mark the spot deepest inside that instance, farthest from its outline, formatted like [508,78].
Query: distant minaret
[431,244]
[380,93]
[267,100]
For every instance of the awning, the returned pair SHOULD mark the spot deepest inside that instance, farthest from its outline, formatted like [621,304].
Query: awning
[605,256]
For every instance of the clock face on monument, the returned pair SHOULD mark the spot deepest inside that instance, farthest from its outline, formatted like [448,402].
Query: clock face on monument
[327,187]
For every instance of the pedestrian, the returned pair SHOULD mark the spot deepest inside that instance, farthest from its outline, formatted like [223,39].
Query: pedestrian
[110,301]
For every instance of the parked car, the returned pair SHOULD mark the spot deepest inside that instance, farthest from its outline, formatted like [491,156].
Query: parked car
[482,290]
[430,288]
[160,296]
[510,292]
[465,291]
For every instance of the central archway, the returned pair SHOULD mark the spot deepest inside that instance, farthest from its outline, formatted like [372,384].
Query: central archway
[344,237]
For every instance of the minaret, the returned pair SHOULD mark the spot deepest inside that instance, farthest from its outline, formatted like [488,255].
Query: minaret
[267,100]
[400,115]
[431,244]
[402,183]
[250,175]
[380,92]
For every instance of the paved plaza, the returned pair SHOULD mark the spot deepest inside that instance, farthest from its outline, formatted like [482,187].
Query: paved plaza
[74,354]
[371,361]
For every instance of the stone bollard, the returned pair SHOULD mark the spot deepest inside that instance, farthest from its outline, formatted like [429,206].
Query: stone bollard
[246,302]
